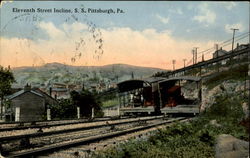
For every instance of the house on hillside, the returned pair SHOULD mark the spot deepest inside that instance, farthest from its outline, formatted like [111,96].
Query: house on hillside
[60,91]
[241,47]
[219,53]
[27,105]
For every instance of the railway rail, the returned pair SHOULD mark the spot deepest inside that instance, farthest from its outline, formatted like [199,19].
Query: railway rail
[87,127]
[81,136]
[47,124]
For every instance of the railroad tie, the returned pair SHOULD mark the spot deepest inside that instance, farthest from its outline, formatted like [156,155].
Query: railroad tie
[112,127]
[40,130]
[21,124]
[33,123]
[76,153]
[25,142]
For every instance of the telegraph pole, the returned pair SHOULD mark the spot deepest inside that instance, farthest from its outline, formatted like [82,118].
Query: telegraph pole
[233,37]
[184,60]
[193,55]
[231,63]
[195,52]
[173,61]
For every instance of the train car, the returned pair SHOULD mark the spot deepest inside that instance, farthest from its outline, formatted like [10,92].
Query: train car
[155,95]
[180,95]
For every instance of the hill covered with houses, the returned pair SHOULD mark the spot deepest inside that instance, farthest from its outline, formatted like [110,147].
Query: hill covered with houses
[63,78]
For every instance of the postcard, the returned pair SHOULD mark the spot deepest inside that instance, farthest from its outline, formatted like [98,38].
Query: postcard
[88,64]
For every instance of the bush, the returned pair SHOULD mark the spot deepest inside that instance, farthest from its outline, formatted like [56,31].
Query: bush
[87,100]
[228,106]
[177,141]
[65,109]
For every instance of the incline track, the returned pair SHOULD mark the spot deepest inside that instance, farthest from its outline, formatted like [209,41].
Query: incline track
[79,136]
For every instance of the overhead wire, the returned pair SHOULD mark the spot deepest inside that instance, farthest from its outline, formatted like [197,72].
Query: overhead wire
[223,44]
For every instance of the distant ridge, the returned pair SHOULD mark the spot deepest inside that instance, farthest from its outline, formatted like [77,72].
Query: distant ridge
[56,64]
[42,76]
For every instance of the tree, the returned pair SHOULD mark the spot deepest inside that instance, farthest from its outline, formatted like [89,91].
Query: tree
[63,110]
[86,101]
[6,79]
[67,108]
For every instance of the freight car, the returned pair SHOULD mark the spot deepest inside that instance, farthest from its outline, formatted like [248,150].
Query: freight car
[154,96]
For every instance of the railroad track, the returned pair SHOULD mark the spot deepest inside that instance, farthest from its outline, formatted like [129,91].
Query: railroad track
[70,126]
[65,139]
[47,124]
[25,139]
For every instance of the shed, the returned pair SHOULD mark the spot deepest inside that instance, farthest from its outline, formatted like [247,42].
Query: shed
[28,104]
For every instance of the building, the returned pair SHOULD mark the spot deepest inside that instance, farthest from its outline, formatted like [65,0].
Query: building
[27,105]
[60,91]
[240,47]
[219,53]
[49,100]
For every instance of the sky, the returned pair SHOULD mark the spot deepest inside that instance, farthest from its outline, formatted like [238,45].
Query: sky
[141,33]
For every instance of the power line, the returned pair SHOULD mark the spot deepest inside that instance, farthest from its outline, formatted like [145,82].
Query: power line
[211,51]
[212,48]
[235,41]
[223,44]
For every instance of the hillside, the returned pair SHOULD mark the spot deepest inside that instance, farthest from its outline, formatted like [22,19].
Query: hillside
[56,72]
[220,130]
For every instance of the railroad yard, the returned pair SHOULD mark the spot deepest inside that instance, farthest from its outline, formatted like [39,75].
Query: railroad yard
[36,139]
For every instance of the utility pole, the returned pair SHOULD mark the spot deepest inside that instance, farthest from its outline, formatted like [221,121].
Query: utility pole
[233,37]
[231,56]
[184,60]
[233,42]
[195,56]
[173,61]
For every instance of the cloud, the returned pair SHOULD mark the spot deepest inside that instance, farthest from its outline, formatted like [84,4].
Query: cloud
[176,11]
[164,20]
[147,47]
[206,15]
[229,5]
[51,30]
[236,26]
[179,11]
